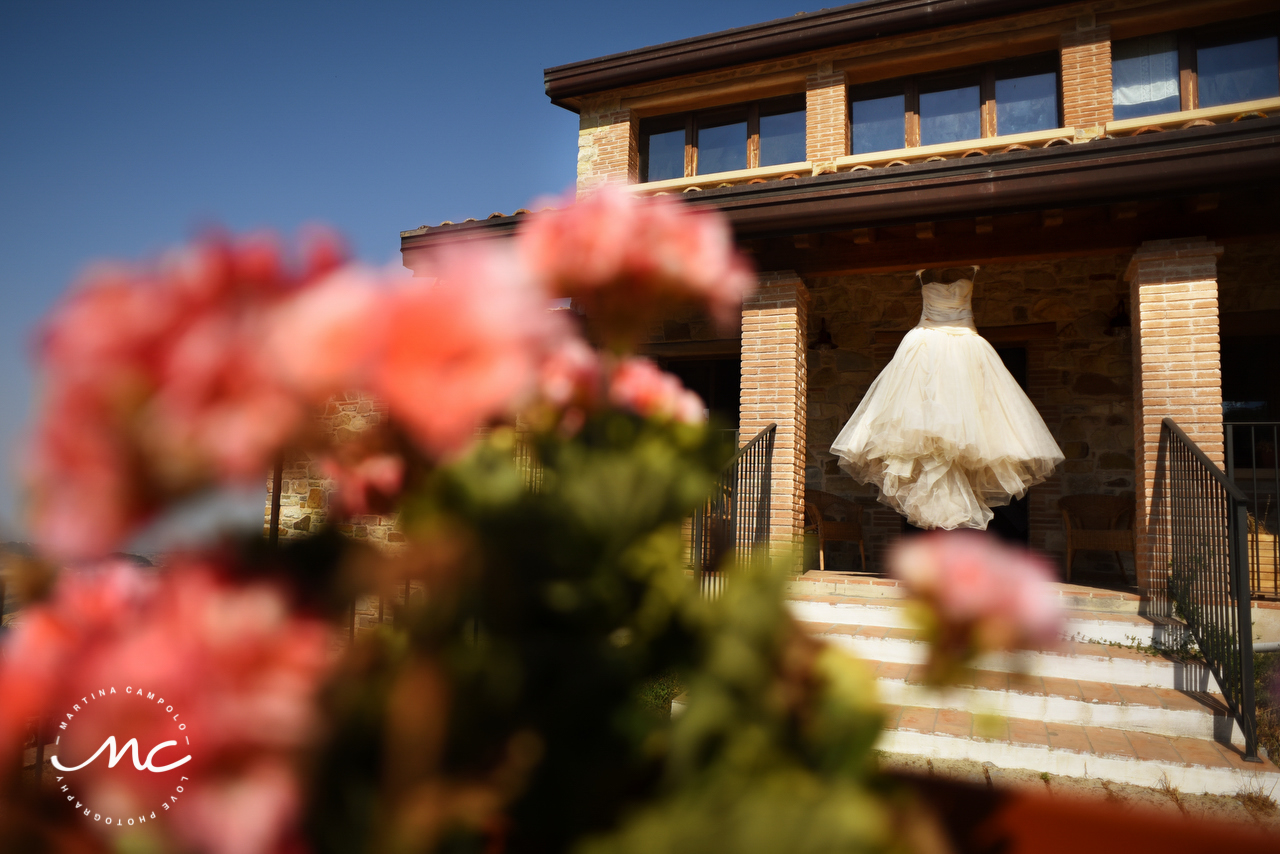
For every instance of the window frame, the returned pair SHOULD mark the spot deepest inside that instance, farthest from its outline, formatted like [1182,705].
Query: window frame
[1190,40]
[752,110]
[984,75]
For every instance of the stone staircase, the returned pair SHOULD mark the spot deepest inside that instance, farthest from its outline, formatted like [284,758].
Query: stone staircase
[1101,704]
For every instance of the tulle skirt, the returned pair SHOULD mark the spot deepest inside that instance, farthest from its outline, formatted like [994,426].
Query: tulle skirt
[946,433]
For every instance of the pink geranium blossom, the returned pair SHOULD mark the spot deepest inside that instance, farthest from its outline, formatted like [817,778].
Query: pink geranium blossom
[638,385]
[978,595]
[464,348]
[629,260]
[158,381]
[234,667]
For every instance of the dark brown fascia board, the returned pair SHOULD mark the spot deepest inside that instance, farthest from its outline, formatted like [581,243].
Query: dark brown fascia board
[1155,165]
[1173,163]
[783,37]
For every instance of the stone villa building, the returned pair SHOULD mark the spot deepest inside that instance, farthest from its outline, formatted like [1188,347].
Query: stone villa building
[1112,166]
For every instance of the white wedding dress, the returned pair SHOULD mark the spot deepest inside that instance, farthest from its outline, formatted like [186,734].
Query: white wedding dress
[945,431]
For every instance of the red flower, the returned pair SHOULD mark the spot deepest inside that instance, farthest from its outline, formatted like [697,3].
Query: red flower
[229,676]
[639,385]
[629,260]
[159,382]
[464,349]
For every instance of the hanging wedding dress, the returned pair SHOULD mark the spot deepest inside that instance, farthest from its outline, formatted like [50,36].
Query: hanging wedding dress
[945,431]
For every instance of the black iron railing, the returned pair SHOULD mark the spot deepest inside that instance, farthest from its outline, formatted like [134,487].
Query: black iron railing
[735,518]
[1206,520]
[1253,465]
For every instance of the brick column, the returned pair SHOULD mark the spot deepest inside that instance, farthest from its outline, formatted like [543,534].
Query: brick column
[1086,78]
[826,117]
[1177,373]
[608,146]
[774,379]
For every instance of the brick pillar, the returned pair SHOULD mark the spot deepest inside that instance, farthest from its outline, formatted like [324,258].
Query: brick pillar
[774,379]
[608,146]
[1177,373]
[826,117]
[1086,78]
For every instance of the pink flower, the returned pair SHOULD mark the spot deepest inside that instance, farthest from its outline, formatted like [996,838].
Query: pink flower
[365,485]
[981,594]
[159,381]
[629,260]
[464,349]
[638,385]
[223,672]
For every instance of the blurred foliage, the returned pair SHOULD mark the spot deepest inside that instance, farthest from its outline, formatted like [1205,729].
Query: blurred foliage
[512,707]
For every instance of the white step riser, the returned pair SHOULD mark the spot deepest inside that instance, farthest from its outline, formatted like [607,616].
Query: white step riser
[894,594]
[1127,634]
[1012,704]
[1220,781]
[1117,671]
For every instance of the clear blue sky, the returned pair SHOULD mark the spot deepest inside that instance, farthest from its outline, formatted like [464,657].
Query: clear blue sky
[128,126]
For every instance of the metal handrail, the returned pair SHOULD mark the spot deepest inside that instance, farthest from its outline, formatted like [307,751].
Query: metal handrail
[735,517]
[1209,571]
[1264,544]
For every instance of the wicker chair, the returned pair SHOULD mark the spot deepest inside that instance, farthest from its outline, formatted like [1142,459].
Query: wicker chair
[848,528]
[1098,523]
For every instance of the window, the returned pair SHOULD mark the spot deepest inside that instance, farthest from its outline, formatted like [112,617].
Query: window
[1185,71]
[744,136]
[992,100]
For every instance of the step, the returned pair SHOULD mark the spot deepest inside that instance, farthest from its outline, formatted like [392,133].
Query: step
[1067,660]
[1096,626]
[1160,711]
[1143,759]
[1074,596]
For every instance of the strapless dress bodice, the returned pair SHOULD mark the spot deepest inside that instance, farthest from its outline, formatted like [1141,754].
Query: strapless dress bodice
[947,304]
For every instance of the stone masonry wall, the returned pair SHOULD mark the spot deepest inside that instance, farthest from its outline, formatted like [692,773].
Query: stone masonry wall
[1080,381]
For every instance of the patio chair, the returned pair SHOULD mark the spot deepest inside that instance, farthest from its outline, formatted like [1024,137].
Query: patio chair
[1098,523]
[847,527]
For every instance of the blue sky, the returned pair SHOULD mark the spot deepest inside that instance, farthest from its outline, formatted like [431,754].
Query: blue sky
[129,126]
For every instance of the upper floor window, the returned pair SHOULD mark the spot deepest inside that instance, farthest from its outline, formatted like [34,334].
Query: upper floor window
[993,100]
[1186,71]
[744,136]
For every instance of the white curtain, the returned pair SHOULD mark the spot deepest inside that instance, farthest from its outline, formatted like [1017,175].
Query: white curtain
[1144,70]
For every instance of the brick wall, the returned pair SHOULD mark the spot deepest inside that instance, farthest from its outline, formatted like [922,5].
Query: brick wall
[1174,287]
[608,146]
[1079,379]
[826,115]
[1086,77]
[774,378]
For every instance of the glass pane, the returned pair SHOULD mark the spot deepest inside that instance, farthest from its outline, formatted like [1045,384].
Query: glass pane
[1144,76]
[782,139]
[1243,71]
[950,115]
[1025,104]
[722,148]
[666,155]
[879,124]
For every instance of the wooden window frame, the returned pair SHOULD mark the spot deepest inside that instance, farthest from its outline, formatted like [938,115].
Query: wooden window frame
[751,110]
[1190,40]
[984,75]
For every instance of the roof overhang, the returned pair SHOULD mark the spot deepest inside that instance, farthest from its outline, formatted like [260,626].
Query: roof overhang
[1170,164]
[769,40]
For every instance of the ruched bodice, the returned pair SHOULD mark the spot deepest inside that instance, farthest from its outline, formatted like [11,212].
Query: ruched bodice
[944,431]
[947,305]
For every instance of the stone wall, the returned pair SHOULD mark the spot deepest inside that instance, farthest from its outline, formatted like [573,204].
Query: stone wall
[304,490]
[1080,379]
